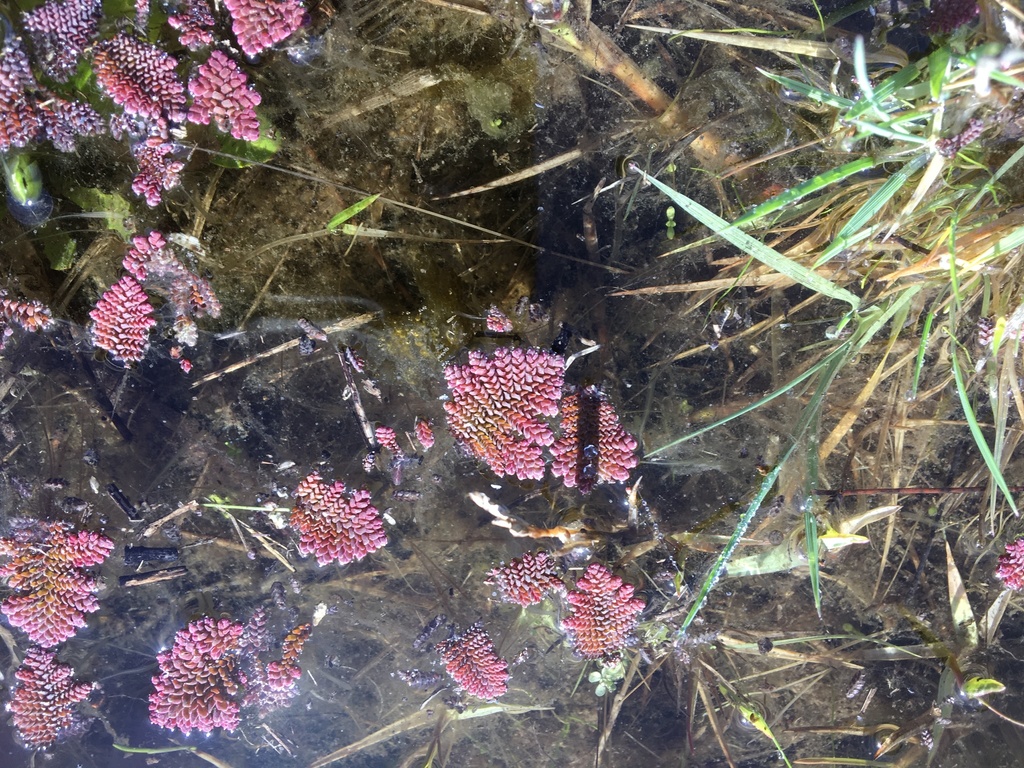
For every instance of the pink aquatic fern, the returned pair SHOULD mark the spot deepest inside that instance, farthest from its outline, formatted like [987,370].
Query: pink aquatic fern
[333,524]
[45,568]
[200,682]
[593,448]
[221,93]
[21,122]
[44,704]
[603,613]
[60,31]
[527,579]
[472,661]
[497,405]
[1011,565]
[140,78]
[121,321]
[194,22]
[260,24]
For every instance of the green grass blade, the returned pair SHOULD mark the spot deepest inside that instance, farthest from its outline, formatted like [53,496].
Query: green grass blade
[987,188]
[979,438]
[872,205]
[723,557]
[752,247]
[341,217]
[805,89]
[926,333]
[804,188]
[938,70]
[753,406]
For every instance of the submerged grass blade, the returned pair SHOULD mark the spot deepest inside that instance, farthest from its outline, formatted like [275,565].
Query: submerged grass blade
[871,206]
[979,438]
[752,247]
[812,185]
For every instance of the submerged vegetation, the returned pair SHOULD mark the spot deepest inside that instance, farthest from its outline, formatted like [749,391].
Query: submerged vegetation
[665,354]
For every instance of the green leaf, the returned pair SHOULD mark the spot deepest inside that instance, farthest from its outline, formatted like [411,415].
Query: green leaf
[978,687]
[754,248]
[340,218]
[979,438]
[114,208]
[242,154]
[60,251]
[938,70]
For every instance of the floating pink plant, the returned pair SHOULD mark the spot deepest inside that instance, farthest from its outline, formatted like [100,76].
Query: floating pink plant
[424,434]
[151,260]
[194,22]
[593,448]
[603,613]
[60,31]
[274,685]
[472,661]
[259,24]
[64,121]
[1011,565]
[21,122]
[43,706]
[527,579]
[200,682]
[387,439]
[159,170]
[333,524]
[140,77]
[221,92]
[45,568]
[497,321]
[121,321]
[28,315]
[212,672]
[497,403]
[945,16]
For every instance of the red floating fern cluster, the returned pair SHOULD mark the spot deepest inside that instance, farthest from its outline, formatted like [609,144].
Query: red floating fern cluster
[497,407]
[44,704]
[474,664]
[121,321]
[45,568]
[497,412]
[199,685]
[603,615]
[1011,565]
[212,672]
[333,524]
[593,447]
[528,579]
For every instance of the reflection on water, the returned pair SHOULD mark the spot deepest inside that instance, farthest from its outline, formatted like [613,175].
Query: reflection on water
[333,326]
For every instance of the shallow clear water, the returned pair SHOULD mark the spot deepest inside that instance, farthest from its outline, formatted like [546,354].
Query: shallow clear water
[418,102]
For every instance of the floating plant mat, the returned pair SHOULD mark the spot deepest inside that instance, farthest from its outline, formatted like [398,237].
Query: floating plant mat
[509,385]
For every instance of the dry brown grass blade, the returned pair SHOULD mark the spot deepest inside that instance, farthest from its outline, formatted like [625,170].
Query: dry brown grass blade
[969,247]
[855,410]
[409,85]
[616,708]
[348,324]
[418,720]
[716,727]
[527,173]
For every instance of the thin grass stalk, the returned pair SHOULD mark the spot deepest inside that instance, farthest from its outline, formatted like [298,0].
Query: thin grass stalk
[752,247]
